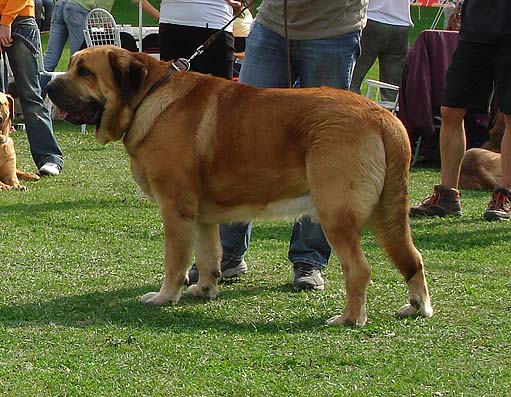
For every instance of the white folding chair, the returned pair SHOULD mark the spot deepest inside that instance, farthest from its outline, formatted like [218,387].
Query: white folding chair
[101,29]
[374,93]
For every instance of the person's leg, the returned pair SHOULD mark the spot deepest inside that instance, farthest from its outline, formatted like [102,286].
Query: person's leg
[56,42]
[74,17]
[392,58]
[326,61]
[265,63]
[23,61]
[170,48]
[505,150]
[499,207]
[369,43]
[469,84]
[319,62]
[48,6]
[38,10]
[218,58]
[235,240]
[452,145]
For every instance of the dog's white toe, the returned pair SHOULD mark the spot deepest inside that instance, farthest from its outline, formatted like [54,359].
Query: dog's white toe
[156,299]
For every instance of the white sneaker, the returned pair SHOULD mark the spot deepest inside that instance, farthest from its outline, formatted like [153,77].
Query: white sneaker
[49,169]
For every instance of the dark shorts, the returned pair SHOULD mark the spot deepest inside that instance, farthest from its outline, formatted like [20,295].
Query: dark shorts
[179,41]
[476,71]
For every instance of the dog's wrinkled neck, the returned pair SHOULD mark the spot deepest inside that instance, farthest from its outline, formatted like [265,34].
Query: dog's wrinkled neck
[173,68]
[158,82]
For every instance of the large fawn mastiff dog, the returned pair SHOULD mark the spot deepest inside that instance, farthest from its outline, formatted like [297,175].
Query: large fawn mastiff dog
[211,151]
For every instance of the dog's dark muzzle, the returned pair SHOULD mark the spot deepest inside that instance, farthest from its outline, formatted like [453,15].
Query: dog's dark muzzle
[74,109]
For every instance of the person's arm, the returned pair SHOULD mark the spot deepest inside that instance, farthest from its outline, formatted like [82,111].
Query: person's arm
[149,9]
[9,13]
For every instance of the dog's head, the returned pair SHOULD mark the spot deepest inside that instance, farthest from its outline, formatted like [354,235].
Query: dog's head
[102,86]
[6,113]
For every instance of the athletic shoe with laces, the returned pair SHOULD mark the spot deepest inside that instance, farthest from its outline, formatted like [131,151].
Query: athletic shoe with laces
[49,169]
[444,202]
[499,208]
[230,269]
[307,277]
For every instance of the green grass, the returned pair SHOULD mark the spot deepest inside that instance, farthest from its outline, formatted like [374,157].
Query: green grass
[77,251]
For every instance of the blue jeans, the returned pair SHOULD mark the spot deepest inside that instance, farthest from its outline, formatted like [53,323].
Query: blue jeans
[23,55]
[313,63]
[68,21]
[47,6]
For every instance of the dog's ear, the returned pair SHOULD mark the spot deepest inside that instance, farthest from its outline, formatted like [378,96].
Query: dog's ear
[129,74]
[10,99]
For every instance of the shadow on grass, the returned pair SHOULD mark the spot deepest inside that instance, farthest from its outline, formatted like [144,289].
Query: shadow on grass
[439,234]
[59,206]
[122,308]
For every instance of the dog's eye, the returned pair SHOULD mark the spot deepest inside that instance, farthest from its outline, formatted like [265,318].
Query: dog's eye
[83,72]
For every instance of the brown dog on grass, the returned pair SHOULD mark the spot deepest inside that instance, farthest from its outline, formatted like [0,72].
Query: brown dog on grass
[211,151]
[9,175]
[481,168]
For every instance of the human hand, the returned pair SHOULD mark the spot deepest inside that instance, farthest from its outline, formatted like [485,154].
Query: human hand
[5,36]
[236,5]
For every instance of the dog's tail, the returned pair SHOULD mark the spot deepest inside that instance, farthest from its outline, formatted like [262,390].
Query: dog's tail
[390,220]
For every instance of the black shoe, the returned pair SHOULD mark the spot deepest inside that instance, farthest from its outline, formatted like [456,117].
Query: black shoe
[230,269]
[307,277]
[499,208]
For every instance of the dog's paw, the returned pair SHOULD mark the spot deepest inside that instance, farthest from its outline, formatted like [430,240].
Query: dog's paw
[19,187]
[158,299]
[336,321]
[415,309]
[33,177]
[210,292]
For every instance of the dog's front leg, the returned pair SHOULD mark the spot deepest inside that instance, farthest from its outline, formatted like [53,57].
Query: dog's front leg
[8,166]
[180,232]
[208,254]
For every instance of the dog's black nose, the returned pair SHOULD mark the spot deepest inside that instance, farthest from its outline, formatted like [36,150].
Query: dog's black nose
[50,90]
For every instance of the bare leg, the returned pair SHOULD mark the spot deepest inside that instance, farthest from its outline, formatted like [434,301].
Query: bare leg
[452,145]
[505,180]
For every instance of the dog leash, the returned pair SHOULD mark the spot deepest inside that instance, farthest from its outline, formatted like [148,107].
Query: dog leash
[212,38]
[5,72]
[183,64]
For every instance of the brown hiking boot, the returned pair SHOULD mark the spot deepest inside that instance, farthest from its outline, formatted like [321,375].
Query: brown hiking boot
[499,208]
[444,202]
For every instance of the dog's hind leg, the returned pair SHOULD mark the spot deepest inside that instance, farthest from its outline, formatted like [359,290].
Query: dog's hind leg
[208,254]
[357,273]
[391,226]
[344,238]
[180,233]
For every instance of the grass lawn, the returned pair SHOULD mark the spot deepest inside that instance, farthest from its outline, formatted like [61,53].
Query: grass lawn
[77,251]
